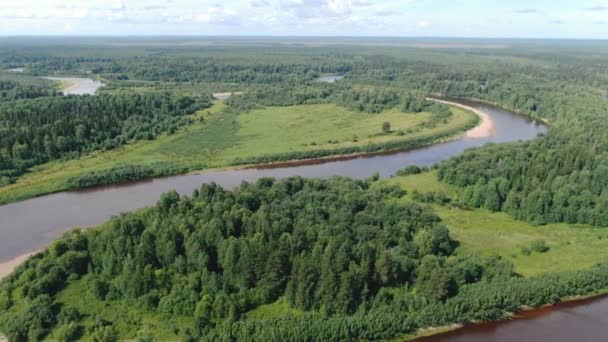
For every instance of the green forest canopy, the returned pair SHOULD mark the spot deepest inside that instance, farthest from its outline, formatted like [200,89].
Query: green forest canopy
[350,260]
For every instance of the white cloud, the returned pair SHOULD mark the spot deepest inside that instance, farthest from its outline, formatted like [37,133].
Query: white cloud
[423,25]
[339,6]
[218,16]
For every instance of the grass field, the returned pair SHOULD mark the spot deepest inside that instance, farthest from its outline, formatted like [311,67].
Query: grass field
[487,233]
[224,136]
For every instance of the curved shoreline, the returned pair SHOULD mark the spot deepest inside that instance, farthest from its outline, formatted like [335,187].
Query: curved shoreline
[432,333]
[485,128]
[327,156]
[8,266]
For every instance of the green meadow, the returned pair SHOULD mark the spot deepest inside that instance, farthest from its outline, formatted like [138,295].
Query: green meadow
[219,136]
[481,232]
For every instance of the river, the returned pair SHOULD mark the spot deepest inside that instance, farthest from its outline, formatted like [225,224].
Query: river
[581,321]
[77,85]
[32,224]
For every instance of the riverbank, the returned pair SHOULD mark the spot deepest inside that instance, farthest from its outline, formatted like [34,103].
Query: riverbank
[96,205]
[437,334]
[220,139]
[9,266]
[485,128]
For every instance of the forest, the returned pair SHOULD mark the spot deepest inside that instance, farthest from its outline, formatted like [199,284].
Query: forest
[300,259]
[341,253]
[48,128]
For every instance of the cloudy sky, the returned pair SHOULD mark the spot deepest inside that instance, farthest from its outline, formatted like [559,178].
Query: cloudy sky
[461,18]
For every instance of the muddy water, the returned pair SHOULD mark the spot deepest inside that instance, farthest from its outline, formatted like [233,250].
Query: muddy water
[29,225]
[581,321]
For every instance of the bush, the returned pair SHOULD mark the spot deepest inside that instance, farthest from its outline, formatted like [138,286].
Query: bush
[539,246]
[411,170]
[386,127]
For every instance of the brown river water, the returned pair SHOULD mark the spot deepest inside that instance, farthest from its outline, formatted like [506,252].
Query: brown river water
[32,224]
[577,321]
[29,225]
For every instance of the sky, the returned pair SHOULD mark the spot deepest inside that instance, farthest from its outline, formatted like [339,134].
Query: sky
[404,18]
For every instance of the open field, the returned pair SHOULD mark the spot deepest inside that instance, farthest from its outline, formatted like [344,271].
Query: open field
[481,232]
[219,136]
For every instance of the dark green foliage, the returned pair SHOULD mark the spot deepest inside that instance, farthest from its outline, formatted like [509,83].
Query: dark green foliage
[119,174]
[286,95]
[15,88]
[411,170]
[327,246]
[539,246]
[43,129]
[386,127]
[356,263]
[31,323]
[368,100]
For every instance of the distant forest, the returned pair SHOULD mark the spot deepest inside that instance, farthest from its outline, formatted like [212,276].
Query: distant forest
[560,177]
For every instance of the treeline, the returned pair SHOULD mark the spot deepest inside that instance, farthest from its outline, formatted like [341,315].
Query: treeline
[533,181]
[15,87]
[118,174]
[397,311]
[281,96]
[38,130]
[10,90]
[333,246]
[368,100]
[227,66]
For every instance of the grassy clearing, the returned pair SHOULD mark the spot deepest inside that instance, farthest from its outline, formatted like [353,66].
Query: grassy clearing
[482,232]
[80,297]
[223,136]
[278,308]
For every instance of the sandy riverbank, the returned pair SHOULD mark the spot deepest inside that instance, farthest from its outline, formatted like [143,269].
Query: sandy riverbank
[486,127]
[225,95]
[8,267]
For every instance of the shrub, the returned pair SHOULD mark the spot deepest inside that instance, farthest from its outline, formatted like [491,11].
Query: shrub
[539,246]
[386,127]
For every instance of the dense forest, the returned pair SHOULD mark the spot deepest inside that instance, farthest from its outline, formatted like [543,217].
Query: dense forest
[11,89]
[344,259]
[48,128]
[346,256]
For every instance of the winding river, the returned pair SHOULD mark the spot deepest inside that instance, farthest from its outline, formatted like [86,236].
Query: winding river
[30,225]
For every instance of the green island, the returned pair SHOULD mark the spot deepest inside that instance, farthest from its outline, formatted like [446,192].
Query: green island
[497,229]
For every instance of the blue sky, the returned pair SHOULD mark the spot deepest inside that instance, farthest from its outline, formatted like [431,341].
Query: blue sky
[445,18]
